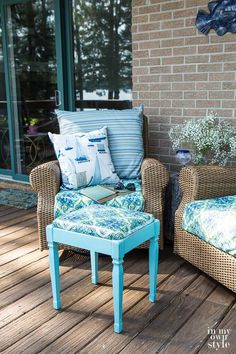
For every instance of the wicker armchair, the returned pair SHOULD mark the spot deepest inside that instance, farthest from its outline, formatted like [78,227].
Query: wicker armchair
[46,179]
[199,183]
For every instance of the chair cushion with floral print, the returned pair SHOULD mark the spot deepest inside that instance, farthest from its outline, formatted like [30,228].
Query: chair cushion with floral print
[67,201]
[104,221]
[214,221]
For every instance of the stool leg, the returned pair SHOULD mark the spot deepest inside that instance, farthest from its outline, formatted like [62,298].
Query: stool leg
[153,265]
[117,283]
[94,266]
[55,274]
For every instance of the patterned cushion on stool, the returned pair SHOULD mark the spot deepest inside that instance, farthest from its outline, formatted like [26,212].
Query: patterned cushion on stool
[68,201]
[104,221]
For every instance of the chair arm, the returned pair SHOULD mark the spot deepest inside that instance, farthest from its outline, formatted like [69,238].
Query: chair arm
[45,179]
[155,178]
[205,182]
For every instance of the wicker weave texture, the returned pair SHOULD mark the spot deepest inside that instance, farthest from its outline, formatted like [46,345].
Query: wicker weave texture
[199,183]
[46,179]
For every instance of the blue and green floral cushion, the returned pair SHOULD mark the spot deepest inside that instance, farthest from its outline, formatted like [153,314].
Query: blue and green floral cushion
[213,220]
[67,201]
[104,221]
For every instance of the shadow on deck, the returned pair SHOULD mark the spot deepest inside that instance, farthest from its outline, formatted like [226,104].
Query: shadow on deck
[190,306]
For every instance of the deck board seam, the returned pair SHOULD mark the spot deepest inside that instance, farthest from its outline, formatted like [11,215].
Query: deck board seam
[217,325]
[164,308]
[33,218]
[14,284]
[165,344]
[33,234]
[102,267]
[31,262]
[126,289]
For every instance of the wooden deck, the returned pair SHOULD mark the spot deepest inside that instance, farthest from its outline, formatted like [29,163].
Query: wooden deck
[189,303]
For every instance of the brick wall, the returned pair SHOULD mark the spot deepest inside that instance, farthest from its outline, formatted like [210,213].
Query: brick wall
[178,73]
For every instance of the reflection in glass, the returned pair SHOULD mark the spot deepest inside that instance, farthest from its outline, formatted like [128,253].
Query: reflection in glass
[31,46]
[102,50]
[5,162]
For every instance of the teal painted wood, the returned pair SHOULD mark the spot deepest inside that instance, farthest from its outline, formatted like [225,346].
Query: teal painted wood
[6,61]
[62,81]
[94,266]
[68,46]
[61,86]
[5,172]
[54,269]
[12,2]
[64,53]
[116,249]
[105,246]
[65,68]
[117,285]
[153,265]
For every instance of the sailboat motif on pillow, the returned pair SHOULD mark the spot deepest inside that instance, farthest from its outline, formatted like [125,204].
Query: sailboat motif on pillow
[84,159]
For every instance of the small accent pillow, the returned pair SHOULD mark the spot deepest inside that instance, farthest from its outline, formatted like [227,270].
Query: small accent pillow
[125,134]
[84,159]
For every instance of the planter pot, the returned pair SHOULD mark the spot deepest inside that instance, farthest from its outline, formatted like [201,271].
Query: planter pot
[33,129]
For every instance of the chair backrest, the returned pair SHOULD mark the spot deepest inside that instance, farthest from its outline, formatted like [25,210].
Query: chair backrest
[145,136]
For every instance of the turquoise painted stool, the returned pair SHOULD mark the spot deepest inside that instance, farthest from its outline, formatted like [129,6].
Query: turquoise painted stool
[108,230]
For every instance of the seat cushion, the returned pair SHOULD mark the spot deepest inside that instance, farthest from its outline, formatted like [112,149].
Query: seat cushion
[67,201]
[125,134]
[214,221]
[84,159]
[104,221]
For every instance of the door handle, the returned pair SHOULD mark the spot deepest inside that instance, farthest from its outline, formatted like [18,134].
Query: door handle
[57,98]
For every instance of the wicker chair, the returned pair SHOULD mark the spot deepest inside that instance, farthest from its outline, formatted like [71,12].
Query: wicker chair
[46,178]
[199,183]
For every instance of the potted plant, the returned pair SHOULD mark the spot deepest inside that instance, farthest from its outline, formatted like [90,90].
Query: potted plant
[210,140]
[32,125]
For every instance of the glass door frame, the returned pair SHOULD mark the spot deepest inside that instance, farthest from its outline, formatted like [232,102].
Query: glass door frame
[65,68]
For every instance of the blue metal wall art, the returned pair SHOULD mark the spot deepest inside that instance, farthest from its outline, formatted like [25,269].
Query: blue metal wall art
[221,17]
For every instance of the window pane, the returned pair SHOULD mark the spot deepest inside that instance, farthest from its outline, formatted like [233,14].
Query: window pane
[4,138]
[102,51]
[32,59]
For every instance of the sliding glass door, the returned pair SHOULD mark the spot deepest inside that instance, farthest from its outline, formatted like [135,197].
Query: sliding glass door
[32,72]
[69,54]
[102,53]
[5,160]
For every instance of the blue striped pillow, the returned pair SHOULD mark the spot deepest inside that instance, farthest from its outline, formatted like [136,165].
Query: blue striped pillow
[125,134]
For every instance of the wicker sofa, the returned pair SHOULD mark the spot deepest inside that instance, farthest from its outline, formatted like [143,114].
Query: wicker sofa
[199,183]
[46,179]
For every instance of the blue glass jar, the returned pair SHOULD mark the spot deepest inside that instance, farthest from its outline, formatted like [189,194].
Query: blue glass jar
[183,156]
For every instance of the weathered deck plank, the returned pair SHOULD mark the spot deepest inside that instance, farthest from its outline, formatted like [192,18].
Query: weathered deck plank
[18,242]
[81,292]
[189,338]
[20,275]
[17,235]
[172,318]
[14,218]
[12,230]
[21,262]
[101,321]
[188,302]
[84,307]
[227,330]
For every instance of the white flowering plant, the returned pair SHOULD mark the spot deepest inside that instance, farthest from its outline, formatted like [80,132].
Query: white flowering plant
[210,139]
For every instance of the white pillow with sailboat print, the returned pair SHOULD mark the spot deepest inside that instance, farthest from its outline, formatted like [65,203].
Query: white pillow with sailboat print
[84,159]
